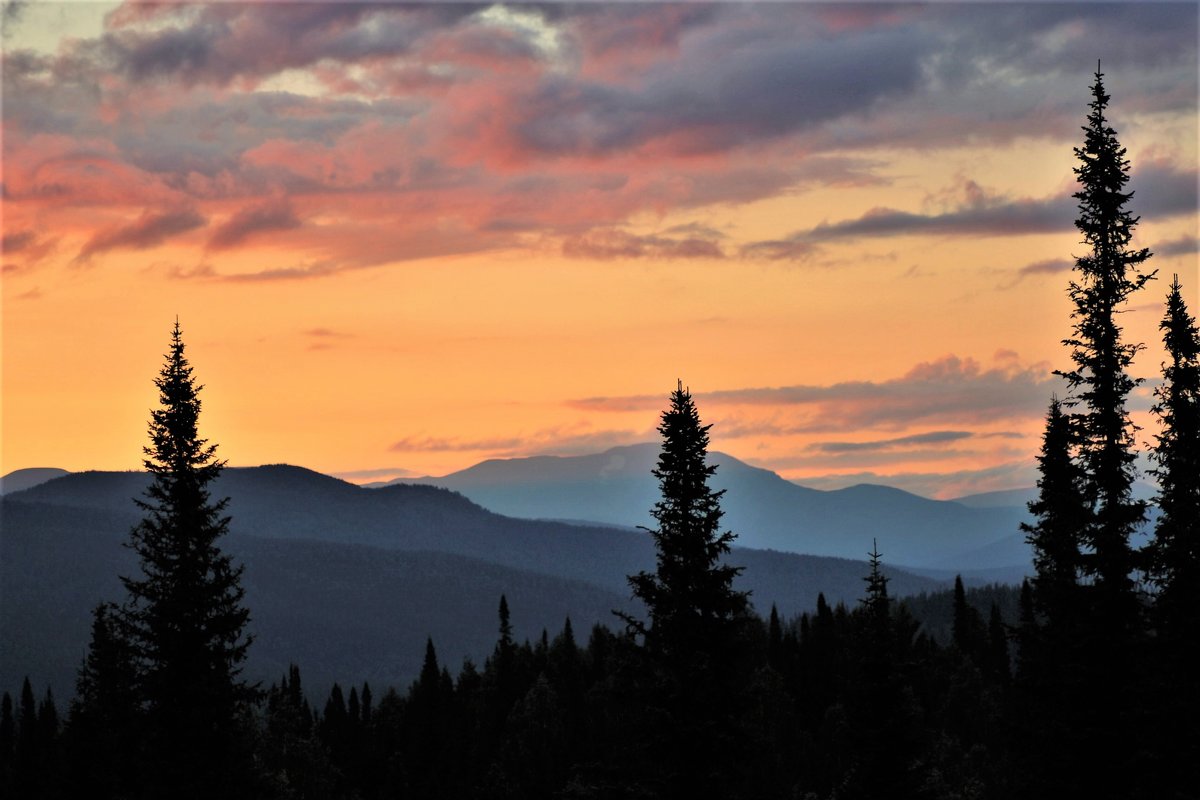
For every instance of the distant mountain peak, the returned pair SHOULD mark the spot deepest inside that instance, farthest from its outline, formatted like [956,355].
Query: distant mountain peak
[21,479]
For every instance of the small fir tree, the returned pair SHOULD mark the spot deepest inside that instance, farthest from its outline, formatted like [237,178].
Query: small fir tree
[1174,551]
[1174,562]
[1061,513]
[104,720]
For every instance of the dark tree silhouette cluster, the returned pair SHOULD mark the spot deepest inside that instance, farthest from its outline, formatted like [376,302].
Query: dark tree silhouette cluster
[1099,641]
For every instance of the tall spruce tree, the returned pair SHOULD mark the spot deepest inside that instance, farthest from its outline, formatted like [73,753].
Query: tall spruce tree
[690,596]
[1175,549]
[695,632]
[185,615]
[1098,695]
[1100,383]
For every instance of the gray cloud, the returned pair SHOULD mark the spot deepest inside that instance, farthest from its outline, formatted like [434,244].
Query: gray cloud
[615,244]
[1183,246]
[1165,192]
[1161,190]
[761,88]
[16,242]
[275,215]
[225,41]
[779,250]
[932,437]
[380,472]
[1051,266]
[149,230]
[950,389]
[314,269]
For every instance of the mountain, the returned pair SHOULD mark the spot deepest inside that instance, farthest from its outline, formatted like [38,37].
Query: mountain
[21,479]
[766,511]
[343,612]
[348,581]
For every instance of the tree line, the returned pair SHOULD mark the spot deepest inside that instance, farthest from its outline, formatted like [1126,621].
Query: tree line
[1090,692]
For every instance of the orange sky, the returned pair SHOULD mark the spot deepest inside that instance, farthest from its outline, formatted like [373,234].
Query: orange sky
[401,240]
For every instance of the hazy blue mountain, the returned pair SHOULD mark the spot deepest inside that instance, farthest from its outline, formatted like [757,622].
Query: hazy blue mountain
[348,581]
[765,510]
[20,479]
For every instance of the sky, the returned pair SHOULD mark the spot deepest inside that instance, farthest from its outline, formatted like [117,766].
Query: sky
[401,239]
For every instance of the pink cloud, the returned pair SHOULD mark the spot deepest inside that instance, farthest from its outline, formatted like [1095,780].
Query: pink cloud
[441,123]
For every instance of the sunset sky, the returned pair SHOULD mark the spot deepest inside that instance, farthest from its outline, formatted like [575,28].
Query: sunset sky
[402,239]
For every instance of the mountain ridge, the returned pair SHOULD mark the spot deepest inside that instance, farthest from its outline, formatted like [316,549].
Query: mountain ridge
[338,577]
[616,487]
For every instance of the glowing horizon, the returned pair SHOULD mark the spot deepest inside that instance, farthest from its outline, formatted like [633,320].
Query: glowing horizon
[412,238]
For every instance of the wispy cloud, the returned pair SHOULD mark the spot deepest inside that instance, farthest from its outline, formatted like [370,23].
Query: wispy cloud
[549,441]
[379,472]
[1052,266]
[149,230]
[15,242]
[272,216]
[615,244]
[1183,246]
[932,437]
[1168,192]
[949,389]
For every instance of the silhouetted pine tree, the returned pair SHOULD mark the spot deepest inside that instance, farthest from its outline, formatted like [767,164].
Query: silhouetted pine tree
[881,714]
[1100,381]
[1174,552]
[1061,514]
[1175,549]
[696,618]
[185,615]
[690,596]
[427,715]
[1101,718]
[104,728]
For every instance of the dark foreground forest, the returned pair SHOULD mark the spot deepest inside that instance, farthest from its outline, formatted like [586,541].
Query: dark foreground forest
[1091,691]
